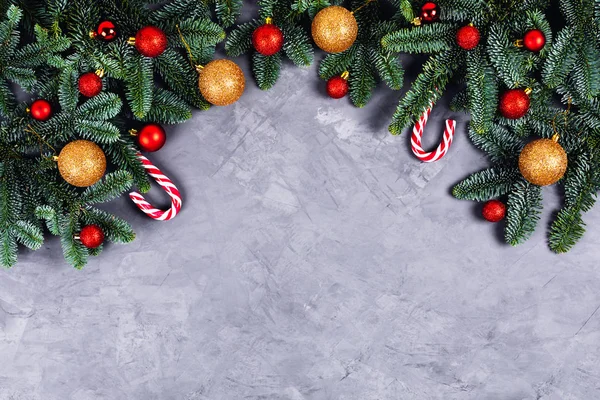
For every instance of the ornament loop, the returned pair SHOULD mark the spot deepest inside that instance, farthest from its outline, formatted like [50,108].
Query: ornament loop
[345,75]
[268,20]
[131,41]
[528,91]
[442,148]
[416,21]
[166,184]
[518,43]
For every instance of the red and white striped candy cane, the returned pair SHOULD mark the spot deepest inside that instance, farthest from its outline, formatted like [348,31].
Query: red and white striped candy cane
[167,185]
[417,133]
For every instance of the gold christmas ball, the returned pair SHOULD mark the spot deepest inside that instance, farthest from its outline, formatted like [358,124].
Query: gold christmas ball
[81,163]
[334,29]
[221,82]
[543,161]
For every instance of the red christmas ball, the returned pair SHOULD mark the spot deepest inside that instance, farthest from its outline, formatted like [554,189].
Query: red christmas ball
[468,37]
[514,103]
[40,110]
[534,40]
[337,87]
[150,41]
[106,31]
[494,210]
[152,137]
[267,39]
[429,12]
[91,236]
[90,84]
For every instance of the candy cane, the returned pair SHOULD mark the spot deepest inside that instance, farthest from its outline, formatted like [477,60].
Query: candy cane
[443,147]
[167,186]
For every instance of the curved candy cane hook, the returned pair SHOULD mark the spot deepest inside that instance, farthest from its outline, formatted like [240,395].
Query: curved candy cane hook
[442,148]
[167,186]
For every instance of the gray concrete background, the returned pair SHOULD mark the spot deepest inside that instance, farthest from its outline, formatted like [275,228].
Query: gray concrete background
[315,258]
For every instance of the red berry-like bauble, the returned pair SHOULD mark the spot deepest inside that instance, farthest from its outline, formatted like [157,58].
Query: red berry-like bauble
[40,110]
[106,31]
[90,84]
[534,40]
[91,236]
[151,137]
[514,103]
[150,41]
[468,37]
[429,12]
[494,211]
[267,39]
[337,86]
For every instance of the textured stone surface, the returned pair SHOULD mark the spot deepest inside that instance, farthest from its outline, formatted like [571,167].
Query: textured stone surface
[315,258]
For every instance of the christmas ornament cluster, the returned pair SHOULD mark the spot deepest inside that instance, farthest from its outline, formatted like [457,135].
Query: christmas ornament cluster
[104,79]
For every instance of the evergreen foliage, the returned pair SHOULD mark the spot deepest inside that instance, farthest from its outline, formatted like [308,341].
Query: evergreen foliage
[44,48]
[568,66]
[367,60]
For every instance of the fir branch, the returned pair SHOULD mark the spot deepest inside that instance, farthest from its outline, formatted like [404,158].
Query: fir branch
[482,92]
[168,108]
[524,207]
[422,39]
[115,229]
[560,59]
[297,46]
[111,187]
[266,69]
[139,82]
[362,78]
[426,89]
[487,184]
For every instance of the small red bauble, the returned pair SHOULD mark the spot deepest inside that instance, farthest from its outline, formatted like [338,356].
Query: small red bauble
[337,86]
[267,39]
[150,41]
[494,210]
[90,84]
[429,12]
[40,110]
[534,40]
[151,137]
[91,236]
[468,37]
[514,103]
[106,31]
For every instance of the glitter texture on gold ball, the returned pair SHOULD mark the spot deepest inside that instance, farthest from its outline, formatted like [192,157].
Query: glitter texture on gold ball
[81,163]
[221,82]
[543,161]
[334,29]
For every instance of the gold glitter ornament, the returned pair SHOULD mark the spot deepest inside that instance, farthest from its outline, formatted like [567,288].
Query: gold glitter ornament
[334,29]
[81,163]
[221,82]
[543,161]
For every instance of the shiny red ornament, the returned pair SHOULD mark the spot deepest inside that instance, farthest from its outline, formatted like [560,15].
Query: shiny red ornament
[106,31]
[267,39]
[89,84]
[514,103]
[337,86]
[40,110]
[494,210]
[534,40]
[150,41]
[468,37]
[151,137]
[430,12]
[91,236]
